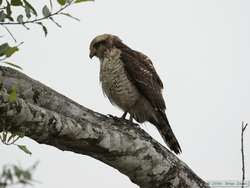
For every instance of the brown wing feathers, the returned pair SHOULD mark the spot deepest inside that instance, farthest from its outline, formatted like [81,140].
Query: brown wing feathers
[142,73]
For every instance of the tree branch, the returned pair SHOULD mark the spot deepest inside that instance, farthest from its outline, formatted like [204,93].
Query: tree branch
[50,118]
[243,128]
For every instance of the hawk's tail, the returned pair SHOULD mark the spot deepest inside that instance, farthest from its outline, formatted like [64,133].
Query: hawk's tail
[166,132]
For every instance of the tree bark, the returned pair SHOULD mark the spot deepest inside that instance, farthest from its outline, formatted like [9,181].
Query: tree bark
[51,118]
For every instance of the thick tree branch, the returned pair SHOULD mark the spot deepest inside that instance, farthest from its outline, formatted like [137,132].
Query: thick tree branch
[50,118]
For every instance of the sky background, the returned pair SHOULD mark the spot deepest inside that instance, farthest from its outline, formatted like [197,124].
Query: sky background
[200,49]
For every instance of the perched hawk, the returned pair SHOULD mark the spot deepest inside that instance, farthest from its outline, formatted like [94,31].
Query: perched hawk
[130,82]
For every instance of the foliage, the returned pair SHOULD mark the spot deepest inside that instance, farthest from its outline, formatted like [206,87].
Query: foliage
[15,175]
[8,138]
[25,13]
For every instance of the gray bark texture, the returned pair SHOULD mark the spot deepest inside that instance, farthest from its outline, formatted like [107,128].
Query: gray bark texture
[53,119]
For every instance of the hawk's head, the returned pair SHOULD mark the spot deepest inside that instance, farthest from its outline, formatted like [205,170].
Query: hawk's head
[101,43]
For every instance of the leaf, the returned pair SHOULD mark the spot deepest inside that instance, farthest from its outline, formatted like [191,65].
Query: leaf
[2,16]
[61,2]
[81,1]
[31,7]
[27,11]
[69,15]
[24,149]
[3,48]
[7,50]
[57,24]
[1,2]
[51,5]
[44,28]
[20,18]
[18,171]
[10,137]
[27,175]
[16,3]
[8,9]
[46,11]
[9,175]
[9,12]
[13,65]
[11,50]
[12,97]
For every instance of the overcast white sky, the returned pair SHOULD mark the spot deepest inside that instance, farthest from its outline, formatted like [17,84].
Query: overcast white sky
[199,48]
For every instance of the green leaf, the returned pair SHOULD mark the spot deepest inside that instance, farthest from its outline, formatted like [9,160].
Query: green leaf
[10,51]
[9,12]
[44,28]
[20,18]
[61,2]
[27,175]
[12,97]
[57,24]
[13,65]
[9,175]
[1,2]
[3,48]
[51,5]
[2,16]
[81,1]
[18,171]
[7,50]
[33,10]
[16,3]
[46,11]
[24,149]
[8,9]
[27,11]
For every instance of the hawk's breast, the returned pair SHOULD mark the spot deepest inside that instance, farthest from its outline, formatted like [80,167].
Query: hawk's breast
[115,83]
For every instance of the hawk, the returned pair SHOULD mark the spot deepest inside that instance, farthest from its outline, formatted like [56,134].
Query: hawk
[129,80]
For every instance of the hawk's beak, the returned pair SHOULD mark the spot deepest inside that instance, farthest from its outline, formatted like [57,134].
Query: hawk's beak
[92,53]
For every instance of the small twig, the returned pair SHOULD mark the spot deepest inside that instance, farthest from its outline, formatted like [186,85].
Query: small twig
[12,36]
[20,44]
[243,128]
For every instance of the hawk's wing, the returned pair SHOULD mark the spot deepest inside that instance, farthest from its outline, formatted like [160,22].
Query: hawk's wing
[141,72]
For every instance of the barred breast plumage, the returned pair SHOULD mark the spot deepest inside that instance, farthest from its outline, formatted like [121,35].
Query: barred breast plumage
[115,83]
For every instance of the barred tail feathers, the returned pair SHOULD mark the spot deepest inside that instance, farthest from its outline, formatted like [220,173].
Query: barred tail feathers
[163,126]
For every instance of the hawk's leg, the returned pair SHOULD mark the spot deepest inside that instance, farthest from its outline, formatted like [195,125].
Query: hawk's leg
[123,117]
[131,119]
